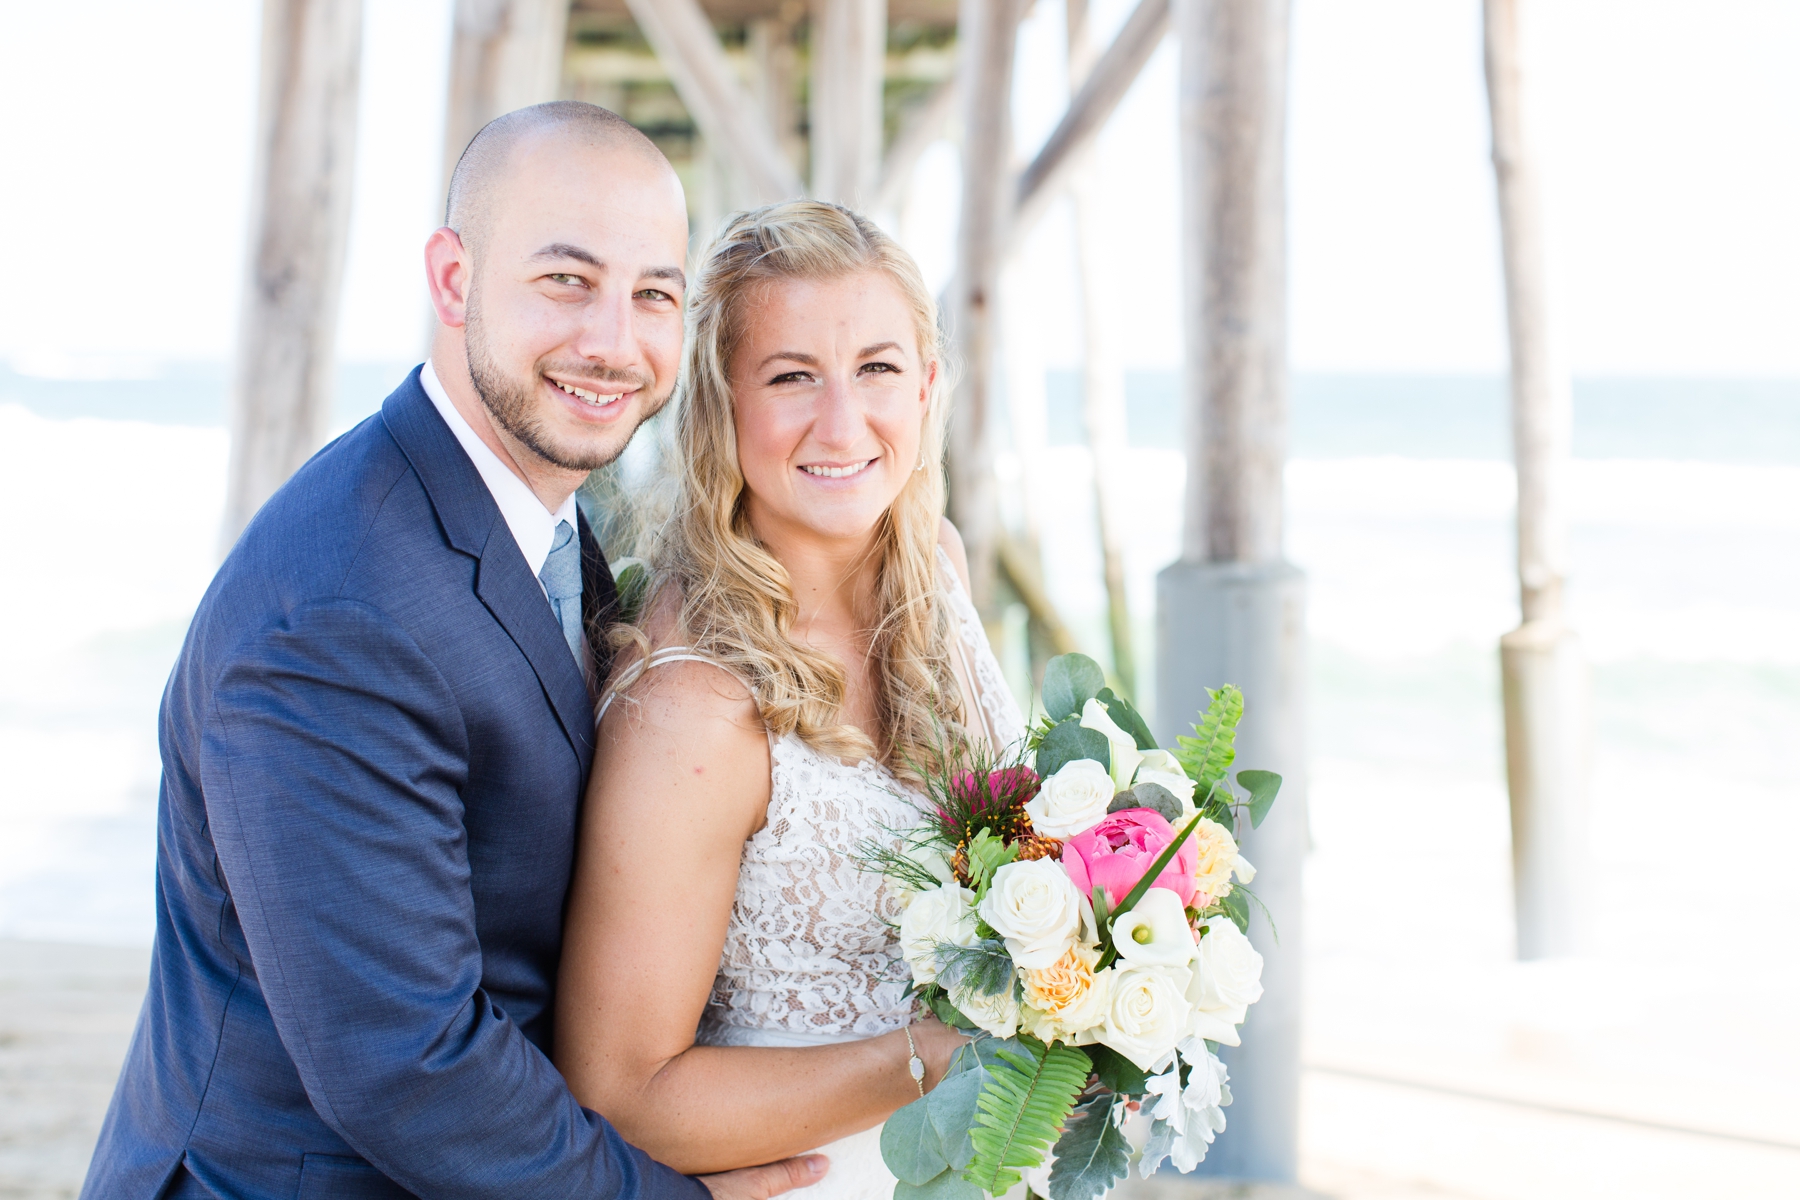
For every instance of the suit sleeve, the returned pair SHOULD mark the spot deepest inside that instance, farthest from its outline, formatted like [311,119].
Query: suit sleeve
[333,760]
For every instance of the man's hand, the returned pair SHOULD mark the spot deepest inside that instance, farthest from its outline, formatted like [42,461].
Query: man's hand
[760,1183]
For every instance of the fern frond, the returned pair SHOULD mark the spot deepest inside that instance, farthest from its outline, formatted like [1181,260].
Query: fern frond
[1208,754]
[1021,1110]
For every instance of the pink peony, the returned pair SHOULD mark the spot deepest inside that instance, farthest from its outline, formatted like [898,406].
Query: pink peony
[1115,854]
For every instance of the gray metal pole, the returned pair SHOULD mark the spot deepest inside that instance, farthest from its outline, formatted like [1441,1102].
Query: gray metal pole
[1233,610]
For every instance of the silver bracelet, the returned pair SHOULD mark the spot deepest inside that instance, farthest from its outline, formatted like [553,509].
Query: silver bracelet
[915,1066]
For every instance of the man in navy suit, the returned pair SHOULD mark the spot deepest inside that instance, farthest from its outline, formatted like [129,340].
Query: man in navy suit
[378,732]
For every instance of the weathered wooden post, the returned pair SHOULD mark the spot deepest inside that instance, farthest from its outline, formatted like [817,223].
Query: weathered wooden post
[305,154]
[504,54]
[1543,676]
[1233,609]
[986,32]
[849,51]
[1102,376]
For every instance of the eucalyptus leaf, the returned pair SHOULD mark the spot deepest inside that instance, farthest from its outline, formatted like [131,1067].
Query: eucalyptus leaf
[952,1111]
[1158,797]
[1237,907]
[1262,786]
[1091,1154]
[1070,681]
[1067,742]
[911,1146]
[1116,1072]
[948,1186]
[949,1014]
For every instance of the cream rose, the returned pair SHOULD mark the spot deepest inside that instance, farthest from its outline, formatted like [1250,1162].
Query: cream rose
[1125,755]
[1035,908]
[1218,855]
[997,1014]
[940,915]
[1161,767]
[1227,980]
[1155,932]
[1071,801]
[1066,1000]
[1146,1013]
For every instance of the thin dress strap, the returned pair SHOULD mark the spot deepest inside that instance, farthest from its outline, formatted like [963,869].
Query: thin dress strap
[668,654]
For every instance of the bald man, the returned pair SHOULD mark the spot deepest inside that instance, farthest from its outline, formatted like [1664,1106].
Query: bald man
[379,729]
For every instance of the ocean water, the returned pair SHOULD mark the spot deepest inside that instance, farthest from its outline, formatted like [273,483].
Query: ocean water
[1685,586]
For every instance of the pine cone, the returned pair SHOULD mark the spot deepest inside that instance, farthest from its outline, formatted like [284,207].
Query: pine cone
[1036,845]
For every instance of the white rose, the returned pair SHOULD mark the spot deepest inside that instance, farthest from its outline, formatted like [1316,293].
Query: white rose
[997,1014]
[1155,932]
[1146,1013]
[1035,908]
[1125,756]
[944,914]
[1161,767]
[929,855]
[1227,980]
[1071,801]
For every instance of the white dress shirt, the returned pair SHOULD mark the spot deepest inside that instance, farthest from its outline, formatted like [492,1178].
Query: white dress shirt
[533,526]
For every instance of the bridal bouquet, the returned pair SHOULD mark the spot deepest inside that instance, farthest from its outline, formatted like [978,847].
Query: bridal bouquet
[1080,902]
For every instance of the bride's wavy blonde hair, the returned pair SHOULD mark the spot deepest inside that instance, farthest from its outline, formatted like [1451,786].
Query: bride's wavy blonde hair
[736,602]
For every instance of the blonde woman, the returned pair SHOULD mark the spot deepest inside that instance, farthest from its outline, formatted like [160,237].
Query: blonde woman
[731,987]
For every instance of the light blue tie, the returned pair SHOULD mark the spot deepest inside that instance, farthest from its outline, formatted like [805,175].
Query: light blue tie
[562,580]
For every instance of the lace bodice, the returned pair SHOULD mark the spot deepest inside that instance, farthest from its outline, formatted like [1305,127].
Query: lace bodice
[810,950]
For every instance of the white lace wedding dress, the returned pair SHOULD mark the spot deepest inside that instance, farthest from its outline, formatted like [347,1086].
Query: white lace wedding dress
[811,957]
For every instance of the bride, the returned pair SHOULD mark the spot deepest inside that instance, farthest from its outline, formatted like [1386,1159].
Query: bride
[731,989]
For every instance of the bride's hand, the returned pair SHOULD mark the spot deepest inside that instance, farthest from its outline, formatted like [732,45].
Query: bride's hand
[938,1044]
[760,1183]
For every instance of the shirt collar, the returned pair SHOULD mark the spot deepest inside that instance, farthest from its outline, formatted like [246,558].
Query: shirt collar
[533,526]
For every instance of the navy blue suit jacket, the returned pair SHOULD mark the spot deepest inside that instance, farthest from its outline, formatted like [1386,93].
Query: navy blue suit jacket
[374,747]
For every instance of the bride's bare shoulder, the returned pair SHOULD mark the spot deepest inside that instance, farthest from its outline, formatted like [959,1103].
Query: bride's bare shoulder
[676,690]
[952,544]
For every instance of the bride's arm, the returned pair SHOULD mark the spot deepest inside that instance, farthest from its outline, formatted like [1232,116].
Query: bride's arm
[681,779]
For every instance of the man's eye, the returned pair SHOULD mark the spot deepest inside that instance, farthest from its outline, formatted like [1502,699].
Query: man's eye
[571,280]
[654,294]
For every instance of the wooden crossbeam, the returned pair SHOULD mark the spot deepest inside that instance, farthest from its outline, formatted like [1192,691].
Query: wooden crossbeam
[1100,93]
[733,125]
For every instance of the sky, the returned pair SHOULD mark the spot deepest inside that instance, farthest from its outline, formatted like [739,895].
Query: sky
[1669,132]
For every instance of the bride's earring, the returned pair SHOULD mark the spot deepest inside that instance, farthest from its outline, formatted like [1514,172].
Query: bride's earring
[920,468]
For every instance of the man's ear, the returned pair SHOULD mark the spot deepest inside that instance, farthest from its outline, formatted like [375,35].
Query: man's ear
[448,272]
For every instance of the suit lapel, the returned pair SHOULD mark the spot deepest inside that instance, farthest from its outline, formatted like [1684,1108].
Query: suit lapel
[473,525]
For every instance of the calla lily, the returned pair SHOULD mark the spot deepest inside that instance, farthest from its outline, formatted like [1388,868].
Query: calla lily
[1155,932]
[1125,754]
[1161,767]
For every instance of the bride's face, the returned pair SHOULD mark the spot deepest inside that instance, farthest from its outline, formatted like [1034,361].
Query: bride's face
[830,394]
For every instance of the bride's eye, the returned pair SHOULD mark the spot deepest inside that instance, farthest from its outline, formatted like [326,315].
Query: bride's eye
[791,377]
[881,367]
